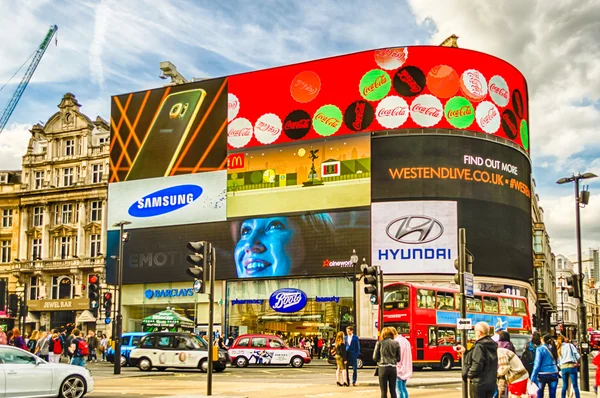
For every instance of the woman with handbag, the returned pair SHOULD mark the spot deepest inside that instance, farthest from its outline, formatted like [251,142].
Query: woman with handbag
[511,369]
[545,370]
[341,359]
[568,360]
[387,355]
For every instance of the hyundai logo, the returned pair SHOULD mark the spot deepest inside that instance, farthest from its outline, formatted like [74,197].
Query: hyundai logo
[165,201]
[415,229]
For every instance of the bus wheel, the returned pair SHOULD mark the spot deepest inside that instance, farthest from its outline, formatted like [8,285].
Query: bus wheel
[446,362]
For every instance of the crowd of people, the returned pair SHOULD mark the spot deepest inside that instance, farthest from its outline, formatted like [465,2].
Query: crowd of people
[59,346]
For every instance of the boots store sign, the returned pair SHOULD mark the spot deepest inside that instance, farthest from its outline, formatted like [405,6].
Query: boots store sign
[288,300]
[414,237]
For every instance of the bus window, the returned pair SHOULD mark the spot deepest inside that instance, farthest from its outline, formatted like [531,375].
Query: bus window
[401,327]
[506,306]
[520,307]
[490,305]
[426,299]
[474,304]
[445,301]
[432,336]
[395,296]
[446,336]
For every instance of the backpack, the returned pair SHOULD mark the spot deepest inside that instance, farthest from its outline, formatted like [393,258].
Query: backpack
[51,345]
[528,357]
[82,349]
[56,346]
[31,345]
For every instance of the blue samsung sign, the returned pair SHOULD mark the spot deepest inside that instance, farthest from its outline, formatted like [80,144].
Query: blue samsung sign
[165,201]
[288,300]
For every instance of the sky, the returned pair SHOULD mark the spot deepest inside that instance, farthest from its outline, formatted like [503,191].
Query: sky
[110,47]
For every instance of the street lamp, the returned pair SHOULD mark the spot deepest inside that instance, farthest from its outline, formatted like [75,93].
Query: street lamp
[123,237]
[353,278]
[579,200]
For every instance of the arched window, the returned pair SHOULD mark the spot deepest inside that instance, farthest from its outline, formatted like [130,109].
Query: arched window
[62,287]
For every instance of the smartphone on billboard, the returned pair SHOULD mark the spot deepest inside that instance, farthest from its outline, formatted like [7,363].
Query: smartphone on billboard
[166,135]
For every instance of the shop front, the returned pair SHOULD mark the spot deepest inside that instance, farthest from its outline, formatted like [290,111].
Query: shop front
[290,308]
[58,314]
[141,301]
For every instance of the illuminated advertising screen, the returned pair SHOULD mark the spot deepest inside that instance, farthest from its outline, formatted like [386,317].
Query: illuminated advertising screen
[169,131]
[490,184]
[302,176]
[316,244]
[391,88]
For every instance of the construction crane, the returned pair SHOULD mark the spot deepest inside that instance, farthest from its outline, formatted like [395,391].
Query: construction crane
[37,57]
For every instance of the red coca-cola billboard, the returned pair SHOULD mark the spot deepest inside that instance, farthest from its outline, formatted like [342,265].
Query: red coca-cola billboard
[393,88]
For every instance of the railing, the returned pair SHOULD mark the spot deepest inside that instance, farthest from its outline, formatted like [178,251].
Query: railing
[40,265]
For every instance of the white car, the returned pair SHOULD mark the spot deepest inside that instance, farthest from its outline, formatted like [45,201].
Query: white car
[22,374]
[163,350]
[264,349]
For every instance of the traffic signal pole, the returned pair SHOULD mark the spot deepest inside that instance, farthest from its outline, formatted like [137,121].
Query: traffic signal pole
[380,299]
[211,302]
[462,265]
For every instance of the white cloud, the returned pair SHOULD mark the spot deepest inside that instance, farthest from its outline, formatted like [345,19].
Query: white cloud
[13,145]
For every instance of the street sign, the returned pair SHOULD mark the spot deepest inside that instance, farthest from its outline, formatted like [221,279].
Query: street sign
[464,324]
[107,320]
[468,277]
[373,299]
[197,286]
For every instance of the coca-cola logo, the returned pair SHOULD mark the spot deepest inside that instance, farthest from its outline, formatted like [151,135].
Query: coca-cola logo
[305,86]
[499,91]
[239,132]
[267,128]
[502,92]
[379,81]
[473,85]
[297,124]
[375,85]
[391,58]
[426,110]
[233,106]
[409,81]
[330,121]
[392,112]
[359,115]
[509,124]
[459,112]
[288,300]
[517,100]
[463,111]
[327,120]
[488,117]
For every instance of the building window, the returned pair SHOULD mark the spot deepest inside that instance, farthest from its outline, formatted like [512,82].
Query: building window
[62,287]
[96,210]
[94,245]
[102,140]
[7,215]
[65,246]
[38,216]
[538,242]
[5,255]
[38,179]
[96,173]
[69,147]
[68,176]
[67,213]
[3,178]
[36,249]
[33,288]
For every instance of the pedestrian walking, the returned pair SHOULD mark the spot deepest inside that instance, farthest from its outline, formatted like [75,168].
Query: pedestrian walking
[316,346]
[103,346]
[545,370]
[404,367]
[504,342]
[78,348]
[480,364]
[353,349]
[341,360]
[387,355]
[528,356]
[596,363]
[511,369]
[16,340]
[55,347]
[3,337]
[568,361]
[42,348]
[32,341]
[67,338]
[93,344]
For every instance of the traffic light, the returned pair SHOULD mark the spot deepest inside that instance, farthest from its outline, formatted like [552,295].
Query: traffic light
[107,304]
[457,279]
[573,286]
[13,304]
[200,261]
[94,291]
[371,282]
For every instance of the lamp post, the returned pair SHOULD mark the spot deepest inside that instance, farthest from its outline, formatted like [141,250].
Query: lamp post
[123,237]
[583,199]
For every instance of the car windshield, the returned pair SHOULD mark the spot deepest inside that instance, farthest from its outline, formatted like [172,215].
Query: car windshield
[201,343]
[519,341]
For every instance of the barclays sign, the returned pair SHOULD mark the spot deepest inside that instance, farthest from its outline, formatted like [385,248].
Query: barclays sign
[165,201]
[160,293]
[288,300]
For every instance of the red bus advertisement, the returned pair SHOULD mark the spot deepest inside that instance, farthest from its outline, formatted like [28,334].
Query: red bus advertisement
[427,316]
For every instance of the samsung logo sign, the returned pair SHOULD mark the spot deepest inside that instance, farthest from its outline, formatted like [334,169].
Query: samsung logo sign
[288,300]
[165,201]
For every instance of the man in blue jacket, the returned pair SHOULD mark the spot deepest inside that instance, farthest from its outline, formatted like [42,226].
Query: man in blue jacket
[353,350]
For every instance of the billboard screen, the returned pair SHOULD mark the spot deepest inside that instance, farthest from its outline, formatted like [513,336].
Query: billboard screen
[391,88]
[489,182]
[169,131]
[182,199]
[252,247]
[408,237]
[302,176]
[447,166]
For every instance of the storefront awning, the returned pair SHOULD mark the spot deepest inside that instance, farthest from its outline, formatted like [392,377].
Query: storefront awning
[32,318]
[168,319]
[86,316]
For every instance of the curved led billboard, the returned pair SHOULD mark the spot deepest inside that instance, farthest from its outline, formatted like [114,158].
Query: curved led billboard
[391,88]
[425,187]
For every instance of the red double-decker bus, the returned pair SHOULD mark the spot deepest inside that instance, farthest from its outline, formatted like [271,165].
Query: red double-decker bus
[427,316]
